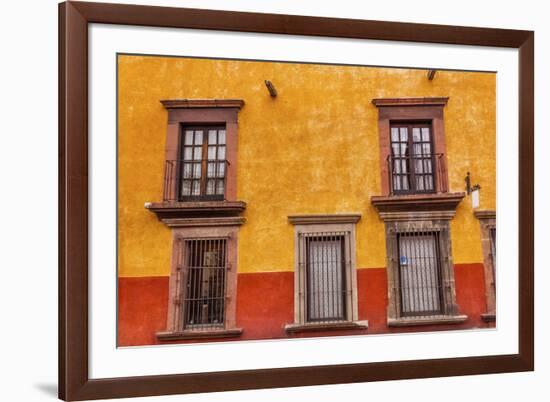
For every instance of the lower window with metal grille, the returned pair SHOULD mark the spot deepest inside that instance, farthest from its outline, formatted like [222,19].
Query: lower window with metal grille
[420,284]
[205,284]
[326,284]
[324,268]
[325,277]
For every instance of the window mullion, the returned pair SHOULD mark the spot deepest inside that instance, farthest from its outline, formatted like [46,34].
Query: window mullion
[204,156]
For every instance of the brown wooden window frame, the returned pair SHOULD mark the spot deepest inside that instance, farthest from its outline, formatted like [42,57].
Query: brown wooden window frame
[221,166]
[410,159]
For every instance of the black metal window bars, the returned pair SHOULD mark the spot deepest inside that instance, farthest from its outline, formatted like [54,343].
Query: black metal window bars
[324,265]
[420,276]
[205,284]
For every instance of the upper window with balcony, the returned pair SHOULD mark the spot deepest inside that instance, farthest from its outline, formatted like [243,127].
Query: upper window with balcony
[412,146]
[201,150]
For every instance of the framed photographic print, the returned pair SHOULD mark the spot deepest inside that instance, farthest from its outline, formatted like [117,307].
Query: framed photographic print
[260,200]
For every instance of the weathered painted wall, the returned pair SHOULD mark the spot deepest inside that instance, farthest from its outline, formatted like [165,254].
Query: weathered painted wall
[313,149]
[265,305]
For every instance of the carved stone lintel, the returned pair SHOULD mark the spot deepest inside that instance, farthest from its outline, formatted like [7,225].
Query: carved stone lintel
[323,219]
[417,215]
[204,222]
[202,103]
[431,101]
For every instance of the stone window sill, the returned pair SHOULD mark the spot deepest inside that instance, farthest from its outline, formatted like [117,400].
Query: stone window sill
[437,320]
[195,209]
[204,334]
[488,317]
[326,326]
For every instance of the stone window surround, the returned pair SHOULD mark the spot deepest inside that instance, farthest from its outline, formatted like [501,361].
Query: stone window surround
[201,228]
[308,224]
[204,112]
[396,110]
[487,221]
[396,223]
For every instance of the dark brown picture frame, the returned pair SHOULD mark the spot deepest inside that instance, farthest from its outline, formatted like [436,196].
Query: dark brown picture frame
[74,381]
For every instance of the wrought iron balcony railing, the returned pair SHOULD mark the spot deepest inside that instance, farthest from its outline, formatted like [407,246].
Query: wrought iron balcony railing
[417,174]
[195,180]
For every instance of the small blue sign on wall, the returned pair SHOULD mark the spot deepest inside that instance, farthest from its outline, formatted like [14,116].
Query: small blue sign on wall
[403,260]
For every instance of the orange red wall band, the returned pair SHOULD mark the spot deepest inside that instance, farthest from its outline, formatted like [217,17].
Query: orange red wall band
[265,305]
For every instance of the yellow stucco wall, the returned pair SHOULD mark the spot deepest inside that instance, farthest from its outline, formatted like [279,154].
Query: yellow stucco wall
[313,149]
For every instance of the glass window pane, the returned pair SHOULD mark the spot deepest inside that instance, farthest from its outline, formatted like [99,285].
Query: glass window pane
[211,187]
[395,149]
[404,166]
[418,166]
[427,148]
[187,169]
[428,165]
[416,134]
[198,137]
[397,166]
[429,183]
[220,187]
[425,134]
[221,169]
[221,153]
[394,134]
[197,170]
[188,153]
[188,137]
[396,182]
[417,149]
[212,137]
[420,183]
[404,133]
[211,153]
[186,187]
[211,170]
[196,187]
[404,149]
[405,182]
[197,153]
[221,137]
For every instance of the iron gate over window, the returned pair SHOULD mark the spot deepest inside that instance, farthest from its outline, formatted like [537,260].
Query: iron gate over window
[420,282]
[325,276]
[205,287]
